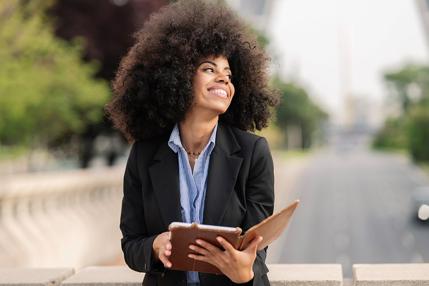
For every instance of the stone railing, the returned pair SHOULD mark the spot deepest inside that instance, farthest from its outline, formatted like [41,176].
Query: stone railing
[69,218]
[280,274]
[60,219]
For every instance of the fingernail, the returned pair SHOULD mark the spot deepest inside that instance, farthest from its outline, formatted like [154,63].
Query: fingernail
[198,241]
[190,256]
[219,238]
[191,247]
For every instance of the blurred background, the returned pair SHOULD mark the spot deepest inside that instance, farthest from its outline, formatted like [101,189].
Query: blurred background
[350,137]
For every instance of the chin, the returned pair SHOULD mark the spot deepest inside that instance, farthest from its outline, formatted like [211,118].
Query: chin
[220,110]
[218,107]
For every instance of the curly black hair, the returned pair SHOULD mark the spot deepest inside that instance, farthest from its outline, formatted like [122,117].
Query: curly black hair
[153,86]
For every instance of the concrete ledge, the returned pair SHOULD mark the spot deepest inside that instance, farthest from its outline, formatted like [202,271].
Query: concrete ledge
[105,275]
[280,274]
[391,274]
[305,274]
[34,276]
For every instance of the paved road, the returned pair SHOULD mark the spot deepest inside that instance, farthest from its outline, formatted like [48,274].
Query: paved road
[355,208]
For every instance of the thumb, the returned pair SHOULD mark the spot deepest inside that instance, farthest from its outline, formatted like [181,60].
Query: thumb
[253,246]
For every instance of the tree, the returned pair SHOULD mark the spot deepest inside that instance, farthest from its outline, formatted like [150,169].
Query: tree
[418,133]
[107,29]
[298,110]
[392,135]
[409,88]
[408,85]
[47,93]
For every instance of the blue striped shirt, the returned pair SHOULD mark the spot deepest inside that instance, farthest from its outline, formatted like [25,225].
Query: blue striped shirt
[193,184]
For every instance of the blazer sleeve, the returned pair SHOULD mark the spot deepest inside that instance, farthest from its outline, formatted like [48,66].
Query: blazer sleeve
[136,243]
[259,200]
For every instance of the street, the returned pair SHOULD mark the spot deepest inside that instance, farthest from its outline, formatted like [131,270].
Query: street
[355,208]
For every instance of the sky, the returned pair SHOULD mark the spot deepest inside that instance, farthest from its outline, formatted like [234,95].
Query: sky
[334,47]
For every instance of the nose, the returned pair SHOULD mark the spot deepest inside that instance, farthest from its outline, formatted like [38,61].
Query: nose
[222,78]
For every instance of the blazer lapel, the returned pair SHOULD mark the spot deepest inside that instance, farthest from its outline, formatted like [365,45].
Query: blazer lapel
[222,175]
[164,174]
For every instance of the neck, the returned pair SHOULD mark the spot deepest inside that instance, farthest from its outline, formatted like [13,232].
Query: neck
[195,133]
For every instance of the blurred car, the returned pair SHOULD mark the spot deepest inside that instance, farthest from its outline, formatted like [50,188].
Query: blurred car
[420,203]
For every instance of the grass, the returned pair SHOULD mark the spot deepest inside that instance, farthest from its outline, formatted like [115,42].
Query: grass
[11,152]
[291,154]
[392,150]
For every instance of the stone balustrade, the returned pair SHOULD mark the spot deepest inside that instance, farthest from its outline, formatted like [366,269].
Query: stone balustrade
[279,275]
[53,224]
[58,219]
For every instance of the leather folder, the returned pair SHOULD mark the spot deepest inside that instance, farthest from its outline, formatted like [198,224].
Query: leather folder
[184,234]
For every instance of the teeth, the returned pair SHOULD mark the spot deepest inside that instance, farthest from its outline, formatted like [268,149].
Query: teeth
[219,92]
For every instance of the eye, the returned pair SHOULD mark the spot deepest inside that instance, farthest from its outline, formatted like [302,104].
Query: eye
[208,69]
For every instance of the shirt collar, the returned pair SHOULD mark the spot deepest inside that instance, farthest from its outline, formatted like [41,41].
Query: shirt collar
[175,143]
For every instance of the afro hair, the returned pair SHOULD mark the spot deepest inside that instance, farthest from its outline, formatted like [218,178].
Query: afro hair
[153,85]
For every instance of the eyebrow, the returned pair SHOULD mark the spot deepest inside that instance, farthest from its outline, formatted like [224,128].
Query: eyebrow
[210,62]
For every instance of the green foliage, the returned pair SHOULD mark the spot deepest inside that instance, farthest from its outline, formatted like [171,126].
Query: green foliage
[297,109]
[260,37]
[406,84]
[393,135]
[418,133]
[409,87]
[46,91]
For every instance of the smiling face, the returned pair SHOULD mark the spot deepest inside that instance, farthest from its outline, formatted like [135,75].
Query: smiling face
[212,87]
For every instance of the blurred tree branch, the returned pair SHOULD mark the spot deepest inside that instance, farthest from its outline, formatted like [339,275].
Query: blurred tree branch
[409,88]
[47,92]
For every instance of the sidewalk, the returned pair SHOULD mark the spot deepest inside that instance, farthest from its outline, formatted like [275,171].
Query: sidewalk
[287,171]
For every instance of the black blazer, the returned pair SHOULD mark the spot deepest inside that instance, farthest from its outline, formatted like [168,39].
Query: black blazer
[240,192]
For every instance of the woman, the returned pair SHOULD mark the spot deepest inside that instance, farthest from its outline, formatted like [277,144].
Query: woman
[186,94]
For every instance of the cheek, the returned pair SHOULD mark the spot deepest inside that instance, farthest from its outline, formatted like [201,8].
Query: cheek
[197,88]
[232,91]
[196,84]
[199,81]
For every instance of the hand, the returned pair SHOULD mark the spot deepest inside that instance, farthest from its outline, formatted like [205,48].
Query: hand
[235,264]
[162,248]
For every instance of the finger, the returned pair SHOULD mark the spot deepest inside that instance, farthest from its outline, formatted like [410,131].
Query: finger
[199,250]
[215,257]
[200,258]
[210,247]
[167,253]
[165,261]
[205,259]
[168,246]
[225,244]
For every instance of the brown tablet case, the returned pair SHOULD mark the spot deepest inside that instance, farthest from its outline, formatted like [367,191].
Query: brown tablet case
[183,234]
